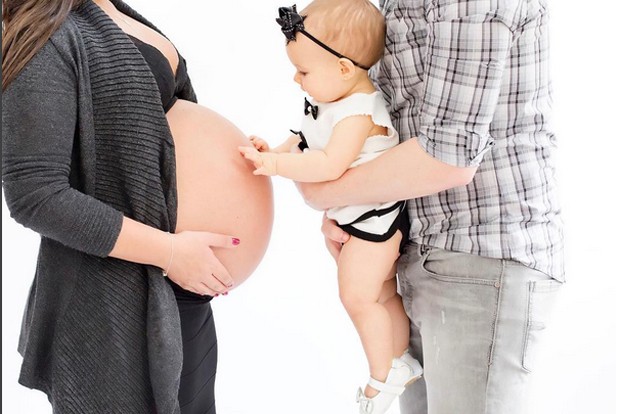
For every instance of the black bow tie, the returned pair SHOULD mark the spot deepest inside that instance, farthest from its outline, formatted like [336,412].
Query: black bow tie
[309,108]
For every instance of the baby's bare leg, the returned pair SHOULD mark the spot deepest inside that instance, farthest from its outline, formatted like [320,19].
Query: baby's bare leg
[394,305]
[363,267]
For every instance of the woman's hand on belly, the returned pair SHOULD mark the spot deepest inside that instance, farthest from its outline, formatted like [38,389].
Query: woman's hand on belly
[216,190]
[194,266]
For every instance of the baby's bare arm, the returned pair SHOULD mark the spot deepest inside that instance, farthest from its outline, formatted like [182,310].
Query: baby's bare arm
[345,144]
[262,146]
[286,146]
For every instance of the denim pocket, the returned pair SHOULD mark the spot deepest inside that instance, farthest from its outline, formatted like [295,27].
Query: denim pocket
[457,267]
[541,298]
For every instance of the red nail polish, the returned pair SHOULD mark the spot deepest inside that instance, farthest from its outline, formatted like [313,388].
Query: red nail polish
[235,241]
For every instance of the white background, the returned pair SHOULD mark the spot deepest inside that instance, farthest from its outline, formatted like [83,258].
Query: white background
[286,344]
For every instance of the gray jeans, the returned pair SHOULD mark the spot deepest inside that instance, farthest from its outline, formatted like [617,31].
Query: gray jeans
[476,326]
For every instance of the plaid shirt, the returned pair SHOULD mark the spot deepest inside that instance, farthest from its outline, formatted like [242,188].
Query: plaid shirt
[470,80]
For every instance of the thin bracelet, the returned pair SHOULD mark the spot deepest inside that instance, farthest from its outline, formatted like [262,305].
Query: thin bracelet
[165,272]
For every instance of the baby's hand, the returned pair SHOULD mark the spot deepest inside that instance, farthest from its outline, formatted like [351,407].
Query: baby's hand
[259,143]
[264,162]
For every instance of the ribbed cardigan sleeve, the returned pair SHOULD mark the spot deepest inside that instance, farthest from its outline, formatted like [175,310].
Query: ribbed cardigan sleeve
[39,124]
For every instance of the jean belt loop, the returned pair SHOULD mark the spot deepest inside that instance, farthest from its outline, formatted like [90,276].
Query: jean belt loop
[422,249]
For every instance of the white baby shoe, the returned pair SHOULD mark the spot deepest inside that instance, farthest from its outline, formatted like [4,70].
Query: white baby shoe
[405,370]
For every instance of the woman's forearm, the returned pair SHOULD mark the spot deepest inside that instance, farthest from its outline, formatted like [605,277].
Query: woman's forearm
[140,243]
[404,172]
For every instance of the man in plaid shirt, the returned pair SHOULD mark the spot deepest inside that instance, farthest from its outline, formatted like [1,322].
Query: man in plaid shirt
[468,87]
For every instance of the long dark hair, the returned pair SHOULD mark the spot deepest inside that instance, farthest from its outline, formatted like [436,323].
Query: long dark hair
[26,26]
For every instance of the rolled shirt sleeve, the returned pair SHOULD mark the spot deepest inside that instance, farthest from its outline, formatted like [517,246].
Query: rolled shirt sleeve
[468,45]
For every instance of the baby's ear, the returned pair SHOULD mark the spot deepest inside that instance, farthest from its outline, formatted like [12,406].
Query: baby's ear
[347,68]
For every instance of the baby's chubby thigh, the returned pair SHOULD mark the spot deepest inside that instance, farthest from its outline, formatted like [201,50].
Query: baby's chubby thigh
[363,268]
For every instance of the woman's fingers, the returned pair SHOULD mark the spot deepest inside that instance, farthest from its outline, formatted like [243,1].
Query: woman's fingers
[195,266]
[219,280]
[221,240]
[206,291]
[211,285]
[214,285]
[198,288]
[222,279]
[203,289]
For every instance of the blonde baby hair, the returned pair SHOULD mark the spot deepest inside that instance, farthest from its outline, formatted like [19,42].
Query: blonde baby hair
[355,28]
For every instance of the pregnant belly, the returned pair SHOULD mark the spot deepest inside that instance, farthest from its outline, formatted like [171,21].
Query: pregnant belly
[217,191]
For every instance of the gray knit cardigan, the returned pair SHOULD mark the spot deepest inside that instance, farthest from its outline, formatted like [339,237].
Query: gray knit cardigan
[84,142]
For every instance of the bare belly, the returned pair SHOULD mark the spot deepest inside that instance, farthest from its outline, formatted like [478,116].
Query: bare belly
[217,191]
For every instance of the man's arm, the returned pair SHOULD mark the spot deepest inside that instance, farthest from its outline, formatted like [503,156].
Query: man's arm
[405,171]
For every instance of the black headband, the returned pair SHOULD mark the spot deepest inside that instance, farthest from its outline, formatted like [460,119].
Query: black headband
[292,23]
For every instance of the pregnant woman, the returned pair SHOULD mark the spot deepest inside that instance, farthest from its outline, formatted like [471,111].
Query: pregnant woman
[145,210]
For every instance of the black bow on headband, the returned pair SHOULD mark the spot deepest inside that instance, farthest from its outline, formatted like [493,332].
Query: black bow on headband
[292,22]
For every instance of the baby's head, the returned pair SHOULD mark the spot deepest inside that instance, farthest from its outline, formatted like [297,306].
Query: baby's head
[355,28]
[338,41]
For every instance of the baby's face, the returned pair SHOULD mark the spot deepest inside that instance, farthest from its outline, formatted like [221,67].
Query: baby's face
[316,70]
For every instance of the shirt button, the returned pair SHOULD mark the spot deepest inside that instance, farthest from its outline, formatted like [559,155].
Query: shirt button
[496,284]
